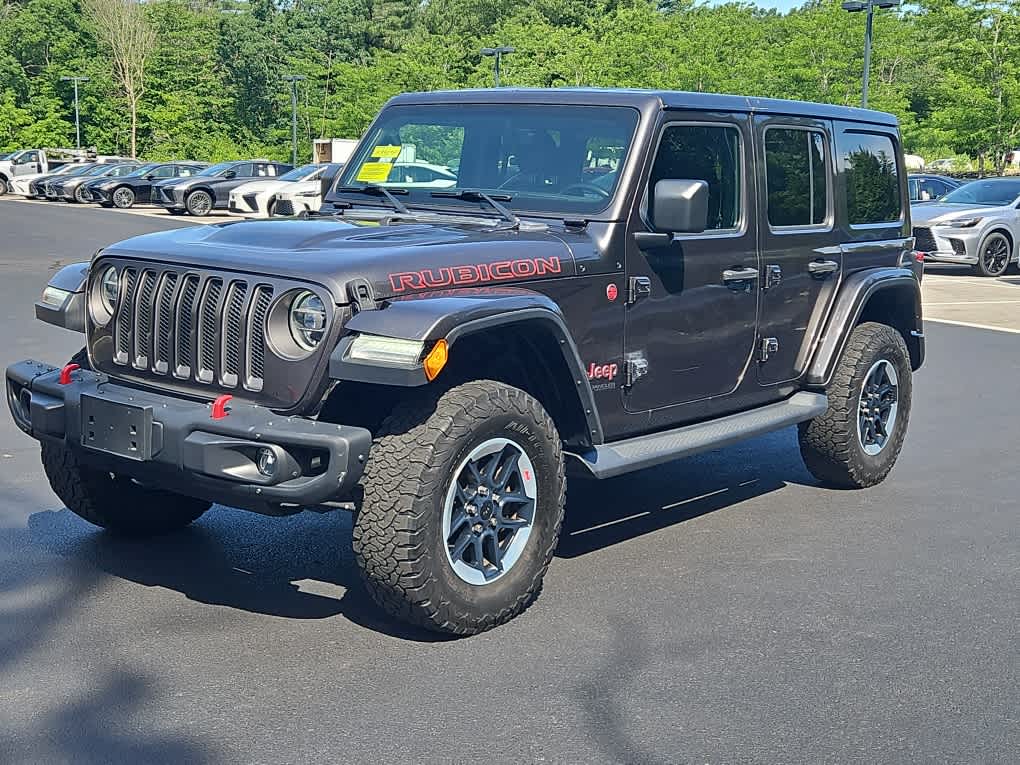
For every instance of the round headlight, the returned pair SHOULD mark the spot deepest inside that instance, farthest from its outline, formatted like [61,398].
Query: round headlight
[307,320]
[109,289]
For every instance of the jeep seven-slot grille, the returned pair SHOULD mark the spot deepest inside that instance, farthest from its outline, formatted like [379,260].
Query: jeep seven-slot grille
[204,328]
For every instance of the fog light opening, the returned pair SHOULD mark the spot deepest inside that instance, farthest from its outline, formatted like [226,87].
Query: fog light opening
[267,462]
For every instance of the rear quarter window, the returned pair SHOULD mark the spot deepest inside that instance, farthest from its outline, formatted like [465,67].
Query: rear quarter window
[872,178]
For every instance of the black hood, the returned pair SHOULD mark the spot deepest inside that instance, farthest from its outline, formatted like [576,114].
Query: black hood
[399,259]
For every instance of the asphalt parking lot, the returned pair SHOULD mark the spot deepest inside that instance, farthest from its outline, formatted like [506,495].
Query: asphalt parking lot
[723,609]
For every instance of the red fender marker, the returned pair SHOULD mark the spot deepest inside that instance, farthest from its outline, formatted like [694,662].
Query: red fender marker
[65,373]
[219,406]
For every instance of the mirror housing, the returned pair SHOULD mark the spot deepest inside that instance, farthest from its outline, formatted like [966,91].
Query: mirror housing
[680,206]
[230,174]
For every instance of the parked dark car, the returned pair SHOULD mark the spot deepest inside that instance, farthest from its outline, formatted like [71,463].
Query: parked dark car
[210,189]
[42,186]
[653,275]
[74,188]
[927,187]
[137,186]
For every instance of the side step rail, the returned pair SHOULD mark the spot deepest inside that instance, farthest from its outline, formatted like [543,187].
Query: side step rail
[608,460]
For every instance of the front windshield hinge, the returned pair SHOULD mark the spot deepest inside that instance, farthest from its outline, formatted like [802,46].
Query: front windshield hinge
[361,294]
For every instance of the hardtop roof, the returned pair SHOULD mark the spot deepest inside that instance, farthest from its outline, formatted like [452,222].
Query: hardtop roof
[645,99]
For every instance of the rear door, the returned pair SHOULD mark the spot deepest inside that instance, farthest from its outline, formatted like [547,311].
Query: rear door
[801,257]
[143,192]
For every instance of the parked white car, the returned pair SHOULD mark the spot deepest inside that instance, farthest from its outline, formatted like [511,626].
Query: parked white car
[256,198]
[305,196]
[977,224]
[22,184]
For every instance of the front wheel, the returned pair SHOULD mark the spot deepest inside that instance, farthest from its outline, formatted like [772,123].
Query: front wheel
[199,203]
[82,195]
[994,255]
[856,442]
[123,198]
[463,503]
[4,188]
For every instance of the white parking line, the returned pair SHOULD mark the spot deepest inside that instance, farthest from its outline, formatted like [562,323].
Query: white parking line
[974,302]
[973,325]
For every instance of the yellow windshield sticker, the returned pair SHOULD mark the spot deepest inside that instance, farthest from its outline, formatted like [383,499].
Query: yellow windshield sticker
[386,152]
[374,172]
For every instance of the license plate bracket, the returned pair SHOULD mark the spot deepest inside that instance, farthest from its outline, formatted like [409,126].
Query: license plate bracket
[116,428]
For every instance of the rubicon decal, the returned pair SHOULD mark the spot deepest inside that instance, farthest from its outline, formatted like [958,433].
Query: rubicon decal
[501,270]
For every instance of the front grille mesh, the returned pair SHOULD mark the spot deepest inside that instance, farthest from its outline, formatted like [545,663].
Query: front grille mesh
[283,207]
[203,328]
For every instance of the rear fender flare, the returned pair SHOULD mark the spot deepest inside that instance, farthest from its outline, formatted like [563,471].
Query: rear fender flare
[453,316]
[851,302]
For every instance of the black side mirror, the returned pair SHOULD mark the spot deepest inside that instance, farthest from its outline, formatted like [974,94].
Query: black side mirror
[680,206]
[230,174]
[150,176]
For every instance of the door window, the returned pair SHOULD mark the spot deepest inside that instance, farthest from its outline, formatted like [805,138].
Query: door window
[710,153]
[166,171]
[184,172]
[872,182]
[795,177]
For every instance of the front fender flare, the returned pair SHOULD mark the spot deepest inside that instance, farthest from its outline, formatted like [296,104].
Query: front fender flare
[853,296]
[452,316]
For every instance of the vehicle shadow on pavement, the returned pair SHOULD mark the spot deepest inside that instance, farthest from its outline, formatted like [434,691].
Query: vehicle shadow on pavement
[298,567]
[605,513]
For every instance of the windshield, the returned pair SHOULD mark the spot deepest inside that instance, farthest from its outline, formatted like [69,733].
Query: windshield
[217,168]
[79,169]
[99,170]
[545,158]
[992,193]
[302,173]
[142,170]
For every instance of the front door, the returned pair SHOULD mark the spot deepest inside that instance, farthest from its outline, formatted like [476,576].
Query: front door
[801,257]
[693,299]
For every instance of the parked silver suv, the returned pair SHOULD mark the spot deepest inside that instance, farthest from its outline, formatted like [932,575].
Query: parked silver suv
[977,224]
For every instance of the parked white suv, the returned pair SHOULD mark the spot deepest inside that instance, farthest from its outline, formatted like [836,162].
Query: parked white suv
[306,195]
[976,224]
[255,199]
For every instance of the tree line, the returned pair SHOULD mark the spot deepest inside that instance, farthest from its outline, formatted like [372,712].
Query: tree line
[202,79]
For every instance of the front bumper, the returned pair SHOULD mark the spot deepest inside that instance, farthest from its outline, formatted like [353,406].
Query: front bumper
[175,444]
[941,244]
[171,200]
[100,195]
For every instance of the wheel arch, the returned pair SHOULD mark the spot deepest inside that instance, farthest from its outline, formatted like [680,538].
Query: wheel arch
[890,296]
[517,337]
[1001,228]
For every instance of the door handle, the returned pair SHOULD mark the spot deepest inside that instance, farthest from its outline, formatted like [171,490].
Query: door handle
[740,274]
[822,267]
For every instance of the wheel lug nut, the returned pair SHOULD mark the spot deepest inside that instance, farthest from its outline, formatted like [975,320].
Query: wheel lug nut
[471,509]
[477,528]
[492,521]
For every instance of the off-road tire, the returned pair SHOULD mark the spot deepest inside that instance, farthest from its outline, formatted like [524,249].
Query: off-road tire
[191,203]
[114,503]
[123,197]
[398,537]
[830,443]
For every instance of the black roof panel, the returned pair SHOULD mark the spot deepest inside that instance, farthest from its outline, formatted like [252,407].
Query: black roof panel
[645,99]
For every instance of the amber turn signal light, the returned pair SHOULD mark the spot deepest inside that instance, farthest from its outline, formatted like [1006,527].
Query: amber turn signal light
[436,359]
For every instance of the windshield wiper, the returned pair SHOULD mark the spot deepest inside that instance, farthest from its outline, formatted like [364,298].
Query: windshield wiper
[493,200]
[381,191]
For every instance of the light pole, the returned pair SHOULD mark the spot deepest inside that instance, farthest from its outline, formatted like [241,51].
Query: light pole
[856,6]
[497,54]
[77,121]
[293,79]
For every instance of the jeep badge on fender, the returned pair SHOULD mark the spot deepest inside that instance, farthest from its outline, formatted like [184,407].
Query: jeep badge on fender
[443,344]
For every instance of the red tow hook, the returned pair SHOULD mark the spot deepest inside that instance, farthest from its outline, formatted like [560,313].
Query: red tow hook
[219,406]
[65,373]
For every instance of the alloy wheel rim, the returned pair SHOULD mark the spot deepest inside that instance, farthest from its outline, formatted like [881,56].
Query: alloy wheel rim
[122,197]
[996,254]
[82,194]
[489,512]
[877,407]
[200,203]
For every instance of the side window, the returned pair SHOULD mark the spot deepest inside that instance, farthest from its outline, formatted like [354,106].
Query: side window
[709,153]
[185,172]
[243,170]
[795,177]
[164,171]
[32,156]
[872,182]
[914,187]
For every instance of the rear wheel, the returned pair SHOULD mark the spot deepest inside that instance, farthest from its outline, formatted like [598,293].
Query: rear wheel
[463,503]
[123,197]
[82,195]
[856,442]
[199,203]
[4,188]
[994,255]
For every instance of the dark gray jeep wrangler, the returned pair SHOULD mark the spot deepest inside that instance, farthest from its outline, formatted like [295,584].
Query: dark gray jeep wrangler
[502,286]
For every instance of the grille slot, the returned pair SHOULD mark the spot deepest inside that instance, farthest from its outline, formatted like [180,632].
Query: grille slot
[208,313]
[164,323]
[256,361]
[185,322]
[143,320]
[233,314]
[125,309]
